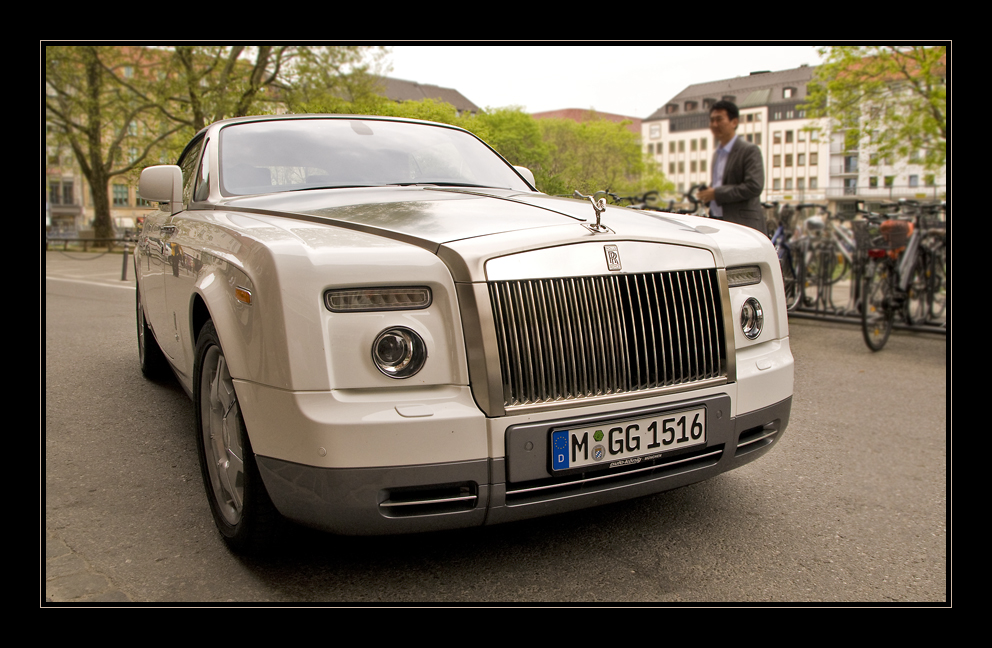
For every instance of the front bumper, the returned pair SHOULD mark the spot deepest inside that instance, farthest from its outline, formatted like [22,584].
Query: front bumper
[427,497]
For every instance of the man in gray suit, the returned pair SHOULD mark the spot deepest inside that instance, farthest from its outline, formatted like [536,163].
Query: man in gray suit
[738,172]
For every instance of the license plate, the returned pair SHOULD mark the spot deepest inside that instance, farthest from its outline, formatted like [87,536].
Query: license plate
[622,443]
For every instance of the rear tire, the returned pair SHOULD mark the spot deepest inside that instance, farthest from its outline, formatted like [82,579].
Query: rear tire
[154,366]
[239,503]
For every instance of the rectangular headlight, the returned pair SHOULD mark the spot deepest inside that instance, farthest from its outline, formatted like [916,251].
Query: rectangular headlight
[377,299]
[743,276]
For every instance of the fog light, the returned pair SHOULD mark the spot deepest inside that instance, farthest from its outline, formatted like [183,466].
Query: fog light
[752,318]
[399,352]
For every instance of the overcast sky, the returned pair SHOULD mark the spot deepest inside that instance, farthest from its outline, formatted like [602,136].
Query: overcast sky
[627,80]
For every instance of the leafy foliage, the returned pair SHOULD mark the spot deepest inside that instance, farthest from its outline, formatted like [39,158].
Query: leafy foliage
[892,97]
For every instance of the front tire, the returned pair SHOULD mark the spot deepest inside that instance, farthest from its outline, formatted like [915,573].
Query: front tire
[239,503]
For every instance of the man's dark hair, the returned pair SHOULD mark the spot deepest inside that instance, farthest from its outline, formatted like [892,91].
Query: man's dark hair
[729,106]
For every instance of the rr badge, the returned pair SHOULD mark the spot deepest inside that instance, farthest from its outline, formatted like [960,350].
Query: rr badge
[612,257]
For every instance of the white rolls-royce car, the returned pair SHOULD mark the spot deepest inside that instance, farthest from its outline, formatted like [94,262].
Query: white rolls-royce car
[385,328]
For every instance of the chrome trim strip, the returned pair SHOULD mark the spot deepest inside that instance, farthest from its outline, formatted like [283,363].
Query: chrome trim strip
[443,500]
[589,480]
[616,398]
[769,433]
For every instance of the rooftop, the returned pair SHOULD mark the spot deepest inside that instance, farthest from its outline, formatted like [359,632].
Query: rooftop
[756,89]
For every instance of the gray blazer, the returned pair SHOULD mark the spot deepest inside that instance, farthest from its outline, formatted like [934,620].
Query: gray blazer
[743,181]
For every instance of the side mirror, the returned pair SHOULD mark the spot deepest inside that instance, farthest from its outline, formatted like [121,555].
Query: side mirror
[164,184]
[528,176]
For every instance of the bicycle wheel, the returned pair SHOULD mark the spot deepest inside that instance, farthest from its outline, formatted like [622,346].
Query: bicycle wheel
[920,292]
[938,283]
[877,311]
[789,277]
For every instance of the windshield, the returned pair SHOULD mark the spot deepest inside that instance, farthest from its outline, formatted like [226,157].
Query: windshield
[272,156]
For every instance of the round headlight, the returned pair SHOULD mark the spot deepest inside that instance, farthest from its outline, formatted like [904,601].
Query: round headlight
[752,318]
[399,352]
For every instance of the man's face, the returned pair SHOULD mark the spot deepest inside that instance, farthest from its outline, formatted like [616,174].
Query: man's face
[723,129]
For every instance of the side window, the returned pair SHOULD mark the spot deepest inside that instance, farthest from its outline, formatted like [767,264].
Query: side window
[188,163]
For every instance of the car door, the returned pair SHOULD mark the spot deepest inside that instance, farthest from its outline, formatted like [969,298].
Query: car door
[178,270]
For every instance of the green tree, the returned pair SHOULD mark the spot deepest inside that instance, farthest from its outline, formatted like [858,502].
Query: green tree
[891,97]
[101,102]
[598,154]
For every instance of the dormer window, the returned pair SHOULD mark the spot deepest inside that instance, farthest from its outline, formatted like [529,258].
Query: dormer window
[788,93]
[691,105]
[671,109]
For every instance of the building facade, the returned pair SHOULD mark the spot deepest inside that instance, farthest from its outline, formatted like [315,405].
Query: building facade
[804,161]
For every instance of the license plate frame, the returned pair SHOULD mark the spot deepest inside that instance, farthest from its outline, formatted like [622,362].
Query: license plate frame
[621,442]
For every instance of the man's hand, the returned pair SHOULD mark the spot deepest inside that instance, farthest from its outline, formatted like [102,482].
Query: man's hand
[706,195]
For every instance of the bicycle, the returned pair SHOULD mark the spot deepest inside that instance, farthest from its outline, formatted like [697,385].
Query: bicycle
[645,201]
[890,247]
[780,240]
[927,296]
[698,208]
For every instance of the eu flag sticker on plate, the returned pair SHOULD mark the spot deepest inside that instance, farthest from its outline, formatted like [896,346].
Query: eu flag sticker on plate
[559,449]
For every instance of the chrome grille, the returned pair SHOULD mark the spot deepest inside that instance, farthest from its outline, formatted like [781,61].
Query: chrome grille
[582,337]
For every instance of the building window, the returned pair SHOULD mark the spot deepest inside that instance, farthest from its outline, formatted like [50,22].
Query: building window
[813,158]
[757,139]
[930,179]
[702,143]
[692,145]
[800,159]
[788,137]
[671,168]
[788,159]
[777,137]
[702,166]
[120,195]
[777,184]
[681,167]
[671,146]
[681,146]
[655,131]
[691,105]
[812,183]
[692,166]
[873,181]
[914,181]
[788,93]
[671,109]
[788,184]
[776,160]
[800,183]
[890,181]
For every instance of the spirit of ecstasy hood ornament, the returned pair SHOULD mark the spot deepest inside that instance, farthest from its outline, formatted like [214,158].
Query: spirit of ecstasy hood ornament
[598,201]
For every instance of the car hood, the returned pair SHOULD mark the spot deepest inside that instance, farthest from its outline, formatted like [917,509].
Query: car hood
[466,227]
